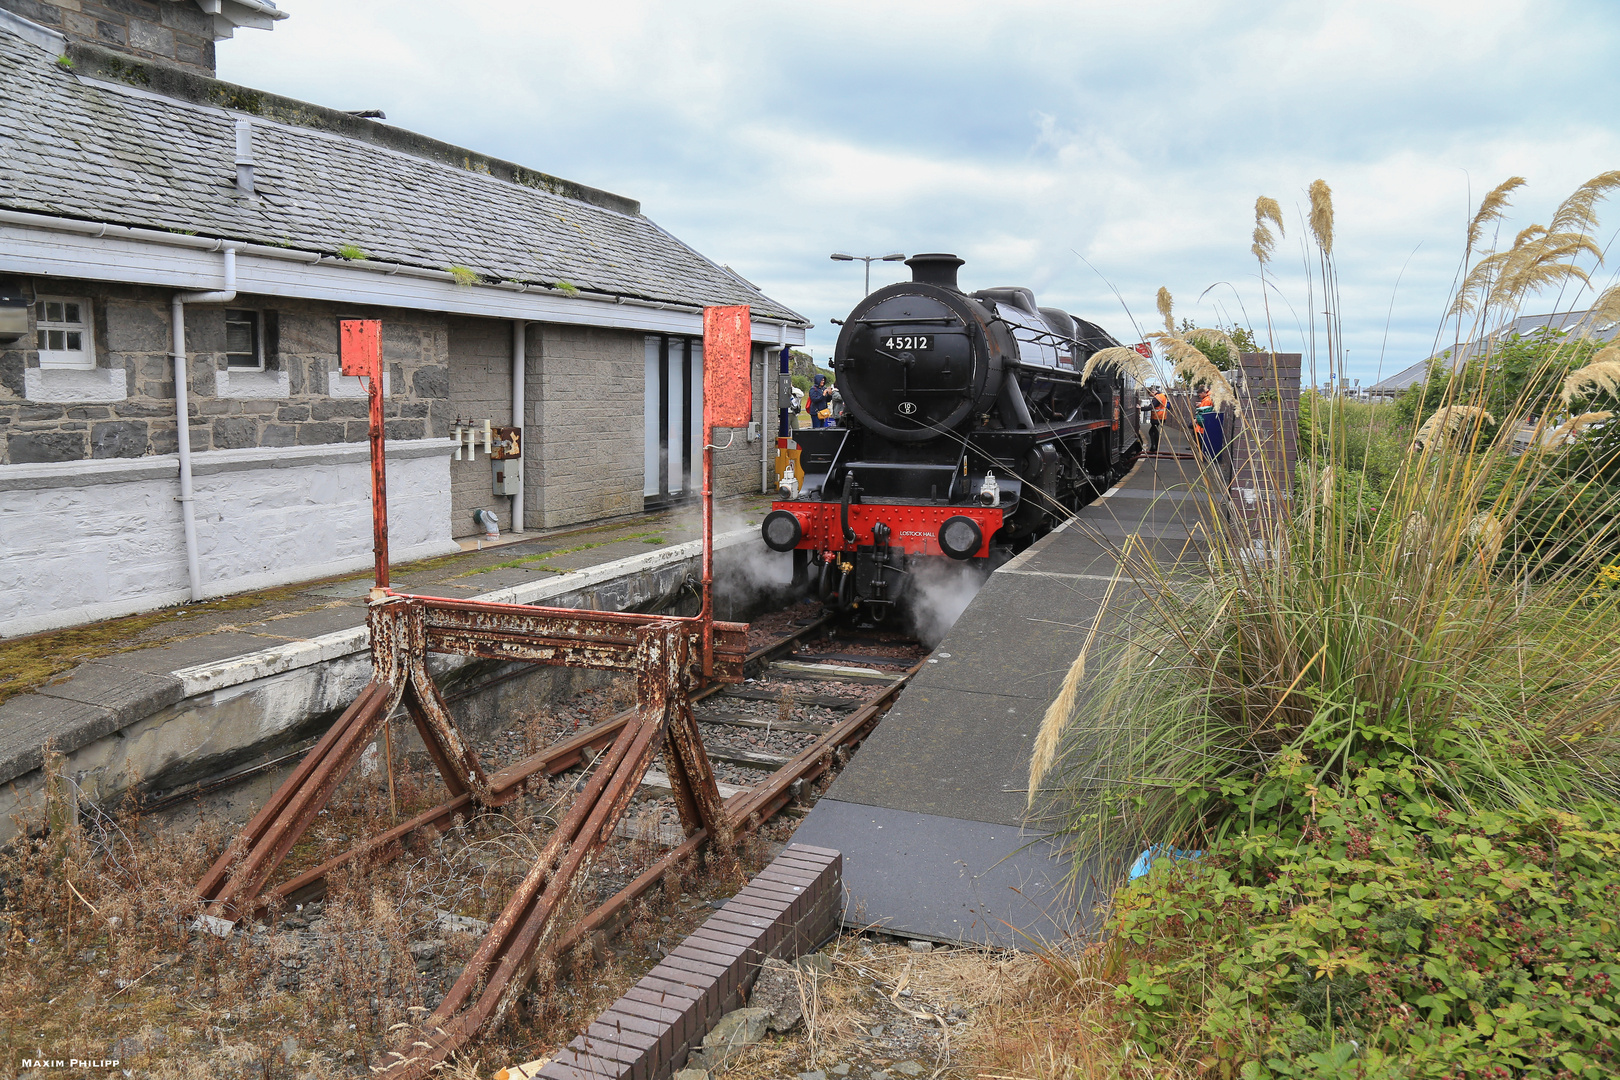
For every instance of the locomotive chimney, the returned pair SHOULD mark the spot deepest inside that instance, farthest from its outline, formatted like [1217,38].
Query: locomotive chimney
[935,269]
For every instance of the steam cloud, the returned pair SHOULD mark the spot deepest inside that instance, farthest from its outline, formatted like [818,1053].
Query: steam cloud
[940,592]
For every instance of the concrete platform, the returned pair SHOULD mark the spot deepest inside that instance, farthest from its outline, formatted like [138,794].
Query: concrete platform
[931,812]
[169,698]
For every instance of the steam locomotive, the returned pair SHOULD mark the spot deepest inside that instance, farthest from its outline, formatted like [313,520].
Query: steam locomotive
[968,434]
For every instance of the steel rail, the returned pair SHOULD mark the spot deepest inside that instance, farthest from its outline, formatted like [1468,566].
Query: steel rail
[505,785]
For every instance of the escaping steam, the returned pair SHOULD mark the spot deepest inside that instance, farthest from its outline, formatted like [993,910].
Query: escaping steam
[940,592]
[749,576]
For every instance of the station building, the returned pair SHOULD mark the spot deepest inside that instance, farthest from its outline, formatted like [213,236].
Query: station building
[145,204]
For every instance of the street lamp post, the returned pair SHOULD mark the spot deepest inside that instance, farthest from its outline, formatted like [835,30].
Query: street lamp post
[839,256]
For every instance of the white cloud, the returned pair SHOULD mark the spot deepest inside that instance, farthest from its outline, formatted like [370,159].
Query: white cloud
[1016,134]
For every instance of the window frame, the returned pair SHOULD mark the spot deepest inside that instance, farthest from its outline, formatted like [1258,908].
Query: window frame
[258,340]
[82,359]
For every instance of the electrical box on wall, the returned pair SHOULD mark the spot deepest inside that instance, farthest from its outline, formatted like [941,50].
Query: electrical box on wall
[506,442]
[508,475]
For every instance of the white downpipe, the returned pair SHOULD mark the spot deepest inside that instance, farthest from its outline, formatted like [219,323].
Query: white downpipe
[767,434]
[182,419]
[519,358]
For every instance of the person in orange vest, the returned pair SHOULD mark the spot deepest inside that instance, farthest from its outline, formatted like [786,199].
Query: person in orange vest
[1207,426]
[1161,411]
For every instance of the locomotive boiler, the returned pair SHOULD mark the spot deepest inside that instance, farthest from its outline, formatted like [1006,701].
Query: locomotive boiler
[968,433]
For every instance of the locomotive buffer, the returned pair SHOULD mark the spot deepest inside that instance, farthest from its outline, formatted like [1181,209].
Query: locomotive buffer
[931,813]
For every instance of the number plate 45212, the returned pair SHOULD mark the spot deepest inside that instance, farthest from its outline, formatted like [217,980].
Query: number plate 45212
[909,342]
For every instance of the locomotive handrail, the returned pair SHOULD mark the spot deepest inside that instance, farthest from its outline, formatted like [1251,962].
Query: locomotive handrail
[948,316]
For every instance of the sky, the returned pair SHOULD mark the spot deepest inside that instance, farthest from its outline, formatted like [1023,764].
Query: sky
[1090,151]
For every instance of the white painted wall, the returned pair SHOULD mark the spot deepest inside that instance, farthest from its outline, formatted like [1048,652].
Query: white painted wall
[84,540]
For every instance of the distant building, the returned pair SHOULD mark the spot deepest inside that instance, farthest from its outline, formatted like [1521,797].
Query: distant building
[127,172]
[1567,322]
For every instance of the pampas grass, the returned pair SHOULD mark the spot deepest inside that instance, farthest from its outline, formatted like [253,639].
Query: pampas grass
[1574,424]
[1322,215]
[1541,256]
[1166,306]
[1602,375]
[1119,358]
[1437,621]
[1448,420]
[1266,211]
[1189,362]
[1491,209]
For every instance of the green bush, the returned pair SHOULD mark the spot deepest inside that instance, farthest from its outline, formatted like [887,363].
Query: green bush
[1377,933]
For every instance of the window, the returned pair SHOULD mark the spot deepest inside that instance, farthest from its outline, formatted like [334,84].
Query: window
[62,328]
[244,340]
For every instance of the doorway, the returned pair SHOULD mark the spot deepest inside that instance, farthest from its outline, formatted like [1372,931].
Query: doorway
[672,418]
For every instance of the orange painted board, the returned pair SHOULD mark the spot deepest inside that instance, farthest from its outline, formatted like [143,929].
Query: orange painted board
[728,386]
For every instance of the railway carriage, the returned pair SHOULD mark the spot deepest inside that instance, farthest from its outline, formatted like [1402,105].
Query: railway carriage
[968,433]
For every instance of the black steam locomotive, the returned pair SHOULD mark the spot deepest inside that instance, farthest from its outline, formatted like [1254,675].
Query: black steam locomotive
[968,434]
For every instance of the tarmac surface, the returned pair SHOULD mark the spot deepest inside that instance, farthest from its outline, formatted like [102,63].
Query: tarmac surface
[931,813]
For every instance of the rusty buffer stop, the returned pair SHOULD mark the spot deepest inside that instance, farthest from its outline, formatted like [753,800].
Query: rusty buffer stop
[669,657]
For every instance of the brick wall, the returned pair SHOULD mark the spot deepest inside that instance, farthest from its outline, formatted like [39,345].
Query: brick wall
[165,30]
[132,337]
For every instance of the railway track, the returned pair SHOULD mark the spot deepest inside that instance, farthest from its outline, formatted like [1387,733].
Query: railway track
[769,740]
[814,691]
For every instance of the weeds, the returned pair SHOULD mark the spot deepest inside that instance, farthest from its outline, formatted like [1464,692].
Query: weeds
[102,960]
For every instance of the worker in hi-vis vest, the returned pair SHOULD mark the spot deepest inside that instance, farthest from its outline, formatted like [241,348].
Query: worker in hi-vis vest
[1161,411]
[1208,428]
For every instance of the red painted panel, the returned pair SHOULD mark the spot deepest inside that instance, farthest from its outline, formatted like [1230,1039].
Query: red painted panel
[913,529]
[360,346]
[728,388]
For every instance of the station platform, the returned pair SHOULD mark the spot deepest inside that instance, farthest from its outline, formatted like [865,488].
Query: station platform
[931,812]
[185,693]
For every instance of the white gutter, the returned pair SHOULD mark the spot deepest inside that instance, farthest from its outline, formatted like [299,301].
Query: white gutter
[519,355]
[182,419]
[105,252]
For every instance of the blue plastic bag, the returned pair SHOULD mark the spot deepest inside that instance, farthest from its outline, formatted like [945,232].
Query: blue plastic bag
[1144,861]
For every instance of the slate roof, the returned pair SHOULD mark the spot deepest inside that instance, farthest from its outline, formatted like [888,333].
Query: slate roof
[1401,379]
[1522,326]
[90,149]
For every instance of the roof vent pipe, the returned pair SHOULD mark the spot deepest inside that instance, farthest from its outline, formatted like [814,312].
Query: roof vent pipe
[244,156]
[935,269]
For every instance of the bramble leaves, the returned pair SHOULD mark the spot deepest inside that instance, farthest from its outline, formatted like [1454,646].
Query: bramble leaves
[1449,944]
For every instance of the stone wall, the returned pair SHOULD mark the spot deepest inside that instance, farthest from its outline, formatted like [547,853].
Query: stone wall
[125,408]
[164,30]
[584,389]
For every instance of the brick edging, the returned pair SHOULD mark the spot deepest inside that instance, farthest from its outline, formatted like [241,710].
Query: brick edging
[788,909]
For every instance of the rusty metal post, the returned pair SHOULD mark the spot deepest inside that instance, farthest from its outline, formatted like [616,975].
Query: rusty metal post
[728,401]
[360,353]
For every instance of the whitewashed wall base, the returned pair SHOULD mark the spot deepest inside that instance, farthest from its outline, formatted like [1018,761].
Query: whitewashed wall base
[88,540]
